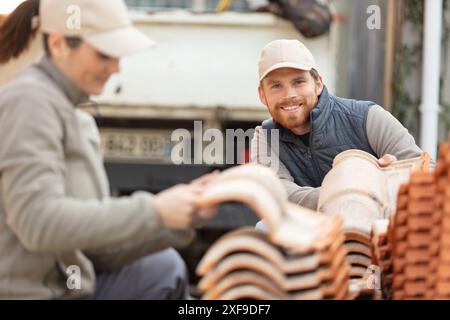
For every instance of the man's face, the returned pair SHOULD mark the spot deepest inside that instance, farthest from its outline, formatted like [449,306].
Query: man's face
[290,95]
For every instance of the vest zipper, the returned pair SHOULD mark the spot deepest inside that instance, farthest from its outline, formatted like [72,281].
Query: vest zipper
[312,158]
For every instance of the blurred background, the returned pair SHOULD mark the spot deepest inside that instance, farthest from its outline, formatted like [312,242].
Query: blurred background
[204,67]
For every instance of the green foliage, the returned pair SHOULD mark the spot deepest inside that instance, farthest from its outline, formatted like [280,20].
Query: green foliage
[445,113]
[408,58]
[413,11]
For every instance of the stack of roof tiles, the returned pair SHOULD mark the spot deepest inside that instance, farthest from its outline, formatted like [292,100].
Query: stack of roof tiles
[245,264]
[439,276]
[363,194]
[419,234]
[382,258]
[300,257]
[338,253]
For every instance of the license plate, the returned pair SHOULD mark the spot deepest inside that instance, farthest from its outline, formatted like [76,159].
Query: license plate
[145,145]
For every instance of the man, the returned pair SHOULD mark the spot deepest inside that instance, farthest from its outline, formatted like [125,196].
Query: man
[315,126]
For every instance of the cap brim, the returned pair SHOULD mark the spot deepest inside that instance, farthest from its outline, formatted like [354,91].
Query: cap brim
[286,65]
[120,42]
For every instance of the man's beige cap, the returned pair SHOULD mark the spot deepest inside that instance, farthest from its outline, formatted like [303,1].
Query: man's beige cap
[104,24]
[285,54]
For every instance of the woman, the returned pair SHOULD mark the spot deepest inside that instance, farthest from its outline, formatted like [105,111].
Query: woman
[61,234]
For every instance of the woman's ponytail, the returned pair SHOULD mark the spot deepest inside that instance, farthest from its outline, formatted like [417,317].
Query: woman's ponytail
[17,31]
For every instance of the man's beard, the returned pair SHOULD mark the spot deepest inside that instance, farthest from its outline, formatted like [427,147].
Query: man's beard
[295,119]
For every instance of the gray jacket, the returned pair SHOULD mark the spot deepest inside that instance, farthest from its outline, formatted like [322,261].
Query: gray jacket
[55,206]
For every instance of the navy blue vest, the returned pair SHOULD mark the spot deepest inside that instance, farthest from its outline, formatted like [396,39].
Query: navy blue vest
[337,125]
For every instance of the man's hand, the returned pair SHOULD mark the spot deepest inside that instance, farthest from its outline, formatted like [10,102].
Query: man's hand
[386,160]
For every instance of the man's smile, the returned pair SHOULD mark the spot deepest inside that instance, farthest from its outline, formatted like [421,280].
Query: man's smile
[292,108]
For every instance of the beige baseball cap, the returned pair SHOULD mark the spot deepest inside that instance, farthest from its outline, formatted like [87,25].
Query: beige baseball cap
[285,53]
[104,24]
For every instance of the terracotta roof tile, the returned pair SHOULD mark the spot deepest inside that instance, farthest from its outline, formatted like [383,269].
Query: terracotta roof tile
[302,256]
[420,259]
[397,218]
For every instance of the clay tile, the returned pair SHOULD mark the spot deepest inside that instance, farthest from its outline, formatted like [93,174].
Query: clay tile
[440,168]
[420,223]
[402,201]
[403,188]
[421,192]
[416,207]
[302,255]
[420,177]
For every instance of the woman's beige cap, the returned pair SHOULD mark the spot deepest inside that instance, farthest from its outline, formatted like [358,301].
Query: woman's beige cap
[104,24]
[285,54]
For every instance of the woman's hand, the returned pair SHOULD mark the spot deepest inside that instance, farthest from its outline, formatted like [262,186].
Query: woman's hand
[177,206]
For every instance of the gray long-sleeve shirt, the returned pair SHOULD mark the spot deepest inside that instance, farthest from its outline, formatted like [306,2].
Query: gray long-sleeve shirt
[385,133]
[55,206]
